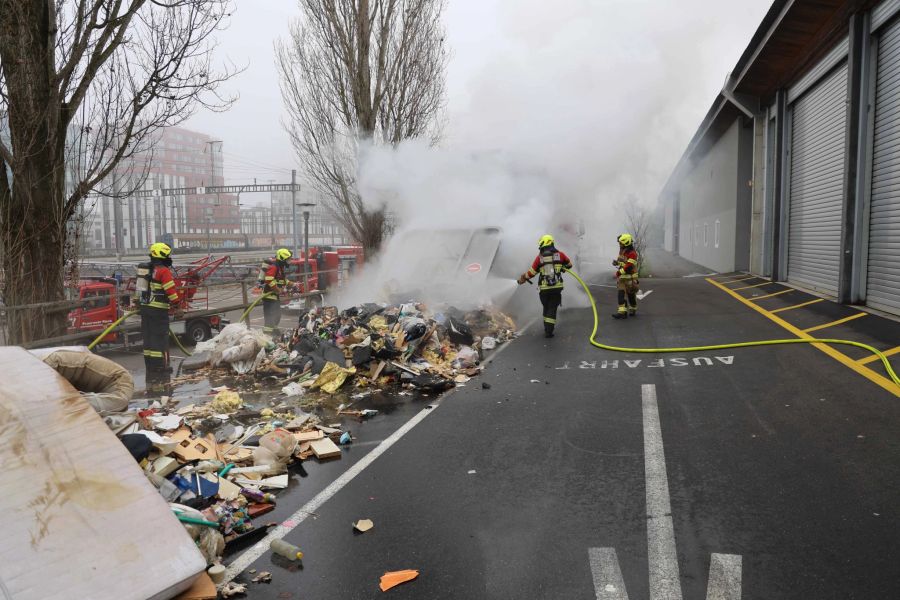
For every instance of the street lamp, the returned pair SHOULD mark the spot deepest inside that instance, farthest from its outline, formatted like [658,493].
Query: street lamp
[306,206]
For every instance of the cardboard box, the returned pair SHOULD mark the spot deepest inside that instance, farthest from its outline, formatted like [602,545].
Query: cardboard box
[81,518]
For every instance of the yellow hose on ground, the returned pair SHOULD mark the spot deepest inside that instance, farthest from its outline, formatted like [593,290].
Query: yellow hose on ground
[595,343]
[110,328]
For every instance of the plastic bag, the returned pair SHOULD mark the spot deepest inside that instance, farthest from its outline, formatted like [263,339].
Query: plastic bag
[465,357]
[280,442]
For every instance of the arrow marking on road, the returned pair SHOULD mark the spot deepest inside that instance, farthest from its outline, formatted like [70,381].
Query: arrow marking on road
[642,295]
[662,555]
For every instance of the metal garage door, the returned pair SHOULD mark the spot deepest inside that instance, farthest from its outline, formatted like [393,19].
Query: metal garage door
[816,193]
[883,272]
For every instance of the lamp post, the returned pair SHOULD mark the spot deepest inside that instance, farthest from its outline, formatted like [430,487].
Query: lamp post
[306,206]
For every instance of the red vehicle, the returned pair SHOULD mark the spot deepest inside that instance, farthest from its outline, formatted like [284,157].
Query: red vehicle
[106,299]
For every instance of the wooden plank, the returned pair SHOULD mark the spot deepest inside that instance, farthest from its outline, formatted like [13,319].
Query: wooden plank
[325,448]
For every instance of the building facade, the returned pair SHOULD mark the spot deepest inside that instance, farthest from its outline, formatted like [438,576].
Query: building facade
[794,173]
[180,159]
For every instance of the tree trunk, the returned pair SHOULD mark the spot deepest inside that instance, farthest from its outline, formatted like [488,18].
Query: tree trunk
[33,234]
[371,234]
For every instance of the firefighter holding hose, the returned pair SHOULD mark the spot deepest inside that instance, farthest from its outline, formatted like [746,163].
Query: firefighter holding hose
[156,294]
[549,265]
[626,277]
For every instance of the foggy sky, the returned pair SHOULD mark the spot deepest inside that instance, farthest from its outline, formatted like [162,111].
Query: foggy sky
[604,95]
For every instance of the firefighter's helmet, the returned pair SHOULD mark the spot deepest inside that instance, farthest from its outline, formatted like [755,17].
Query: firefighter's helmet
[546,240]
[625,239]
[283,254]
[160,250]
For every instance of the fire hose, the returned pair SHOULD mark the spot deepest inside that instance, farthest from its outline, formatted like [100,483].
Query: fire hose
[596,344]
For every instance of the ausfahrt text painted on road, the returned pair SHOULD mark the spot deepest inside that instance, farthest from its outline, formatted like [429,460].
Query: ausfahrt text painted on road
[644,363]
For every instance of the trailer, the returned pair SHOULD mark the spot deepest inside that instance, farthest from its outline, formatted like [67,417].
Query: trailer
[106,299]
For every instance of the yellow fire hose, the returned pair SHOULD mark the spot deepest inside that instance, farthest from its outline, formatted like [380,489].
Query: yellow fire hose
[595,343]
[178,343]
[249,308]
[110,328]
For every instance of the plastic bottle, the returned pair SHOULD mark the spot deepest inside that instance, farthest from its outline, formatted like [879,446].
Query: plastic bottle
[289,551]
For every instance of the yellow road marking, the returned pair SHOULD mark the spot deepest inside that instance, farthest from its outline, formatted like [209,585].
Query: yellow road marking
[874,357]
[747,287]
[742,279]
[778,310]
[754,299]
[732,276]
[838,322]
[835,354]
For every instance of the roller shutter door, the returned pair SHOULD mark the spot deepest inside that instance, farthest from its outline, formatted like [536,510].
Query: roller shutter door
[883,269]
[817,183]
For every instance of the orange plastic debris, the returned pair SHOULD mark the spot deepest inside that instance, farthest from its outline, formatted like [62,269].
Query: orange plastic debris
[395,578]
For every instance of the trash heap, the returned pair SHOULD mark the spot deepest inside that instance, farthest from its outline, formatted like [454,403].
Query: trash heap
[221,463]
[368,346]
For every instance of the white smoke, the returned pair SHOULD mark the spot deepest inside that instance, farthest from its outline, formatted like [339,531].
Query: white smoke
[558,112]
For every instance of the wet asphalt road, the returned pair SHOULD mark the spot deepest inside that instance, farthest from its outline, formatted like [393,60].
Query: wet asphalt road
[780,455]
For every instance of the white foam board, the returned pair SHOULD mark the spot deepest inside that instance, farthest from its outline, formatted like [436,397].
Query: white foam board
[80,518]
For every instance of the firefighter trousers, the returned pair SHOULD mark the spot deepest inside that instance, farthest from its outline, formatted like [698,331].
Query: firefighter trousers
[271,316]
[627,291]
[551,301]
[155,331]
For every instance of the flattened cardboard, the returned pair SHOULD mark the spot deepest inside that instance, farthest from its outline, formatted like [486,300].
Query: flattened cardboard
[309,436]
[195,449]
[325,448]
[203,589]
[70,495]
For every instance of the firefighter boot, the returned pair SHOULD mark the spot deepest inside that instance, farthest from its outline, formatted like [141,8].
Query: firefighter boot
[548,330]
[622,313]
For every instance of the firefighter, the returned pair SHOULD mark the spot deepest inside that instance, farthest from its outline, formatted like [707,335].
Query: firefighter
[549,265]
[157,294]
[626,277]
[272,282]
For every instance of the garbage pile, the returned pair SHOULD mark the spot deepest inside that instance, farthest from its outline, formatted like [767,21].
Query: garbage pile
[220,463]
[366,346]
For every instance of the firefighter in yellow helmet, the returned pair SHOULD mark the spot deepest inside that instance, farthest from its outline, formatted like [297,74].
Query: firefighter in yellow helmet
[272,280]
[550,264]
[156,295]
[627,282]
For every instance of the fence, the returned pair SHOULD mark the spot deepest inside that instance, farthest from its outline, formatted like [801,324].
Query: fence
[235,294]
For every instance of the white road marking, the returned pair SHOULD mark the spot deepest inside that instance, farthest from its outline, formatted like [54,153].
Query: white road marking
[724,577]
[642,295]
[662,558]
[608,582]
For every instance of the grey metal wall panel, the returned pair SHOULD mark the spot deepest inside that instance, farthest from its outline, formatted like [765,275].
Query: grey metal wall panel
[815,201]
[883,269]
[837,54]
[883,12]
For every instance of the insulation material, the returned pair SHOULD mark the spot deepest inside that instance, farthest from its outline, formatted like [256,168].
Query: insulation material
[81,518]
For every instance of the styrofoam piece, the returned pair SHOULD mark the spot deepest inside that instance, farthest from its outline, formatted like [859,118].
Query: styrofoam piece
[81,520]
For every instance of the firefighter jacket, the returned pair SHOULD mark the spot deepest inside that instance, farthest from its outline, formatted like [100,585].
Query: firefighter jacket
[627,264]
[549,266]
[162,288]
[272,279]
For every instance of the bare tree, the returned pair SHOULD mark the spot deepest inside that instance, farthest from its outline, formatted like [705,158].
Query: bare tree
[358,72]
[84,85]
[637,222]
